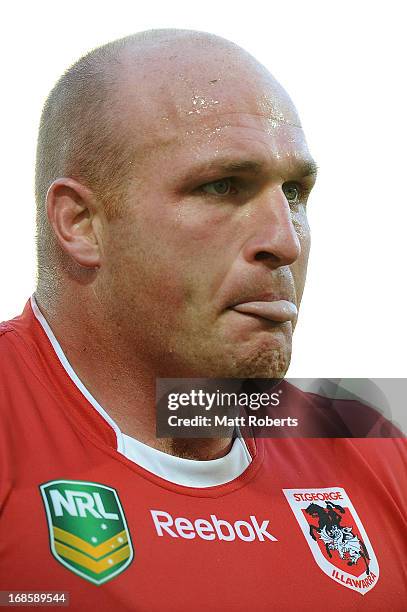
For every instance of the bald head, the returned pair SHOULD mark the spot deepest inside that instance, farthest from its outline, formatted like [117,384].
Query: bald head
[121,99]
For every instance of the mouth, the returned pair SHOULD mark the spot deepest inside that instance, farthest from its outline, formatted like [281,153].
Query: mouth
[275,310]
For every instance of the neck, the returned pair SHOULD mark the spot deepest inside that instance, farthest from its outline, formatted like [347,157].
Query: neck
[120,382]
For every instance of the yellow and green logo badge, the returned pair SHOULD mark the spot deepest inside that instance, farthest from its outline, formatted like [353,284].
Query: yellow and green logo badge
[87,528]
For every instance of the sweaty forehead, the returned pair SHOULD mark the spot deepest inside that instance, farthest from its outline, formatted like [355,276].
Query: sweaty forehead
[168,90]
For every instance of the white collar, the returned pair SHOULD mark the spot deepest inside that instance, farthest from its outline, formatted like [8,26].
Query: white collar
[189,472]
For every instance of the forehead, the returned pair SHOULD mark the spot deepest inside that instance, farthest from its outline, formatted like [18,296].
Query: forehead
[208,105]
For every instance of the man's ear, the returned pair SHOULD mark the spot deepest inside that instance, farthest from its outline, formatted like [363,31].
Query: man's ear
[73,214]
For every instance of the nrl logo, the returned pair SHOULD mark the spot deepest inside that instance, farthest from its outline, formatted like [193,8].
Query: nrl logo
[336,536]
[87,528]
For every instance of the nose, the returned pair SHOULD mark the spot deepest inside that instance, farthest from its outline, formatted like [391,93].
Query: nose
[274,238]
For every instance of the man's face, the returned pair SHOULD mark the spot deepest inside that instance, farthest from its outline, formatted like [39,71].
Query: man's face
[214,218]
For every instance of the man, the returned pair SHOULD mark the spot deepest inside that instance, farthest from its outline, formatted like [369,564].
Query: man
[172,182]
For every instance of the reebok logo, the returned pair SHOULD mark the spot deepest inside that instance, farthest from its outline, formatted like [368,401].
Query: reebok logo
[212,529]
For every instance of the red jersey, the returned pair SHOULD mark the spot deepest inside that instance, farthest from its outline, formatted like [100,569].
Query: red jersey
[310,524]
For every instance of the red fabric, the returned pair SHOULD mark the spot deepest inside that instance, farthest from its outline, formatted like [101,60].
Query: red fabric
[49,431]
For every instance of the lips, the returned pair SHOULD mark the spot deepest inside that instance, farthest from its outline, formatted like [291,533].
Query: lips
[279,311]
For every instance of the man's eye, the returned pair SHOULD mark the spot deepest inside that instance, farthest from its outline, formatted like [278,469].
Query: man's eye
[292,192]
[221,188]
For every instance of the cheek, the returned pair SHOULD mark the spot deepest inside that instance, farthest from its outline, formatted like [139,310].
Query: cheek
[161,271]
[299,268]
[173,251]
[302,228]
[139,263]
[201,225]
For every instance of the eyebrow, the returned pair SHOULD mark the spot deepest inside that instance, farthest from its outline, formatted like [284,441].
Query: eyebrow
[303,168]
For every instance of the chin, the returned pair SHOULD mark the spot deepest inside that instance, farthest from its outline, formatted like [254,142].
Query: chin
[268,357]
[269,364]
[261,356]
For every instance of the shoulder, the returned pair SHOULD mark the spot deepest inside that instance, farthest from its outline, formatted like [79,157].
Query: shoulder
[17,352]
[338,413]
[10,339]
[5,326]
[9,343]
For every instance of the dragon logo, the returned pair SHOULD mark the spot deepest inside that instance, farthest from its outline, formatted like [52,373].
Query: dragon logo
[336,536]
[342,539]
